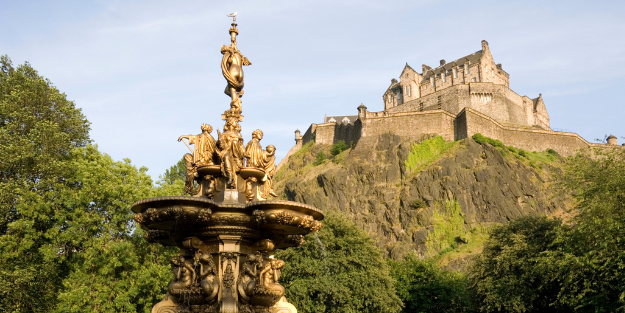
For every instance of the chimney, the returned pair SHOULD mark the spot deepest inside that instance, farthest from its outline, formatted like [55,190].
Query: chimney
[425,69]
[484,45]
[442,62]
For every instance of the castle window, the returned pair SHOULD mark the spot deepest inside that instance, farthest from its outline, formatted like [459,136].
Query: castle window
[492,72]
[405,90]
[467,68]
[444,77]
[409,90]
[455,73]
[432,80]
[473,80]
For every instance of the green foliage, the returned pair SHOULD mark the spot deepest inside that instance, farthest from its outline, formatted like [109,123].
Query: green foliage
[481,139]
[514,273]
[171,183]
[320,158]
[424,287]
[448,224]
[338,270]
[592,262]
[304,149]
[67,241]
[39,128]
[338,147]
[426,152]
[450,237]
[532,158]
[418,204]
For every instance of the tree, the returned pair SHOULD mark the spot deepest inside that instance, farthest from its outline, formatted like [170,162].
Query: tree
[171,183]
[338,270]
[39,128]
[515,272]
[111,267]
[424,287]
[593,257]
[67,240]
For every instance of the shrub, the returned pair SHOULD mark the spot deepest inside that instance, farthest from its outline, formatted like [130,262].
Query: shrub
[338,147]
[320,158]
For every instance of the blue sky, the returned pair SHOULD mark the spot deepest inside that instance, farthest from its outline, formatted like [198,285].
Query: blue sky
[146,72]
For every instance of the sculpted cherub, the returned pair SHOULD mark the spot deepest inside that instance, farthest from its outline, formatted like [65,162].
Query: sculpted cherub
[184,274]
[208,277]
[249,276]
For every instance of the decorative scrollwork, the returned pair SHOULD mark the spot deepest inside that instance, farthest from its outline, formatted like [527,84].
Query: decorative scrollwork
[156,235]
[204,215]
[259,216]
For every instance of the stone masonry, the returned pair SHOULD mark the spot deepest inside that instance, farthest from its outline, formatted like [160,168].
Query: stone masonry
[455,100]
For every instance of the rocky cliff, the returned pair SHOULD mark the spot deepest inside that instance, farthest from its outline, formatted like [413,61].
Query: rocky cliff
[423,196]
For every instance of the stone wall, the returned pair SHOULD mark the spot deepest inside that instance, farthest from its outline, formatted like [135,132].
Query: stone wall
[309,134]
[412,124]
[324,133]
[531,139]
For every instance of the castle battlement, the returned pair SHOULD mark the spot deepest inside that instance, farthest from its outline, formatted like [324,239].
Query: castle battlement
[454,100]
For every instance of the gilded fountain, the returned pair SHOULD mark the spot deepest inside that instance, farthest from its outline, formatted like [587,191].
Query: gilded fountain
[227,228]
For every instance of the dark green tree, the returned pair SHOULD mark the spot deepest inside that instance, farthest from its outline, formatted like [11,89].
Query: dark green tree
[67,240]
[516,272]
[39,128]
[112,268]
[424,287]
[338,270]
[592,262]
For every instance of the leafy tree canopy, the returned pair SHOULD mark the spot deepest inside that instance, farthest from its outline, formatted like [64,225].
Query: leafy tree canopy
[424,287]
[338,270]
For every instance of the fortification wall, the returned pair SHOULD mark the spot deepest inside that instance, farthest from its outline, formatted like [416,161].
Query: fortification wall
[498,101]
[411,124]
[451,99]
[530,139]
[349,133]
[309,134]
[324,134]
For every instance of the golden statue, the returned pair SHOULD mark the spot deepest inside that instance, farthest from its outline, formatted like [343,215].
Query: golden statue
[231,151]
[254,151]
[232,68]
[203,152]
[269,165]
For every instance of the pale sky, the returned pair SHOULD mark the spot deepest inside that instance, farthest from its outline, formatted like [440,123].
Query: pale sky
[146,72]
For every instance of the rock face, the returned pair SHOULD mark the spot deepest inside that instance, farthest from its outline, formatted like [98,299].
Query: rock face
[373,186]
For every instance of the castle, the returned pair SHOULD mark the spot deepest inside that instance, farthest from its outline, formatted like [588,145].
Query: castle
[455,100]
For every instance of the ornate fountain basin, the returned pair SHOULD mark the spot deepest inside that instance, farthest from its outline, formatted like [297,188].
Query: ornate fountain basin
[170,220]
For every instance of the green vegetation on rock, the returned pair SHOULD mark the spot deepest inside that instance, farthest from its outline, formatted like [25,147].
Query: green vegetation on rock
[338,147]
[424,153]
